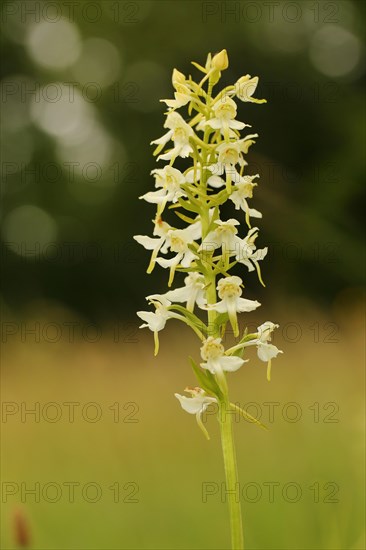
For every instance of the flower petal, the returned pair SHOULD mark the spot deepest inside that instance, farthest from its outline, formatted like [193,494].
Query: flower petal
[232,363]
[153,321]
[244,305]
[148,242]
[266,352]
[194,405]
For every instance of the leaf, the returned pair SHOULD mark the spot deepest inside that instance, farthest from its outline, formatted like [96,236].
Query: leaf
[190,269]
[205,379]
[190,316]
[221,319]
[188,206]
[200,265]
[225,271]
[215,216]
[194,189]
[190,194]
[217,200]
[199,67]
[214,384]
[185,218]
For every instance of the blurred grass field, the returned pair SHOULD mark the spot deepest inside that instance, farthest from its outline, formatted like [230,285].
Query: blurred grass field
[163,462]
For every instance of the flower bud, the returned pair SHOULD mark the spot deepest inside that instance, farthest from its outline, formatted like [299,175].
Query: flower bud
[220,61]
[178,77]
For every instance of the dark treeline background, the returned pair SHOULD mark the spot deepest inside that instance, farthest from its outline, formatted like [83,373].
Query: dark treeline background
[80,103]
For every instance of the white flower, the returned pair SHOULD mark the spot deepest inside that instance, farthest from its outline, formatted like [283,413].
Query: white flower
[223,236]
[192,293]
[213,353]
[231,302]
[196,404]
[161,230]
[156,321]
[244,190]
[245,88]
[230,154]
[168,180]
[247,253]
[179,241]
[183,93]
[266,352]
[179,132]
[225,113]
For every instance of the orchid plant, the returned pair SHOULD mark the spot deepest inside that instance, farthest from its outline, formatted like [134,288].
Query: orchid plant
[207,247]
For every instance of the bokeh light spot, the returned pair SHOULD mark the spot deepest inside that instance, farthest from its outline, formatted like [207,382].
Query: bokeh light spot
[334,51]
[62,112]
[54,45]
[96,149]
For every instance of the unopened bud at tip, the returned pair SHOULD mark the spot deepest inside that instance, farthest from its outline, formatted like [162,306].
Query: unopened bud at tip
[220,61]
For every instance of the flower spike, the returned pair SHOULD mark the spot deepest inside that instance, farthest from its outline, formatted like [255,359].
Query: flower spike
[203,134]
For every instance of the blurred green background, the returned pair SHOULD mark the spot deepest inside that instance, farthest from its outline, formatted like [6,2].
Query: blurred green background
[80,89]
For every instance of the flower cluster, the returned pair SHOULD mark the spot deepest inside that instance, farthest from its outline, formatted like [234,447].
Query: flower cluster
[207,247]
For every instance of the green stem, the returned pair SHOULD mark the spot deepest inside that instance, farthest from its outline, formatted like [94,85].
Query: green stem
[210,281]
[225,413]
[231,475]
